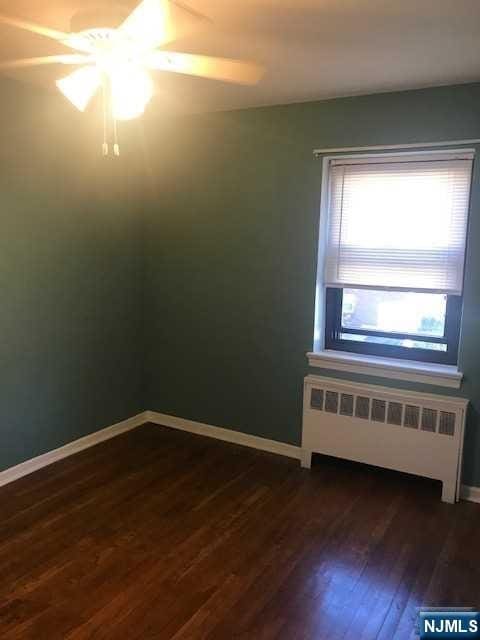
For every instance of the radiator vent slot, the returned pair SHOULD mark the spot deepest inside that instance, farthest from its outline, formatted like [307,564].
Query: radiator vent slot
[346,404]
[429,419]
[331,402]
[378,410]
[362,407]
[447,423]
[395,410]
[412,416]
[316,399]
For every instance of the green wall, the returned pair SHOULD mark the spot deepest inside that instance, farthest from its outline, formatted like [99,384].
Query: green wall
[181,278]
[71,278]
[232,245]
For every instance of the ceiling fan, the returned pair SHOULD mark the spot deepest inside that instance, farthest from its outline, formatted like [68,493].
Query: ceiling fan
[118,60]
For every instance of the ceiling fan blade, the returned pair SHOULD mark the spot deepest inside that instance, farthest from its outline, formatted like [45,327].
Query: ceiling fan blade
[223,69]
[26,25]
[81,85]
[155,22]
[34,62]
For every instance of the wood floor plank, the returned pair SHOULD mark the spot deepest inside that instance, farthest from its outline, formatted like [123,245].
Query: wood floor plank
[162,535]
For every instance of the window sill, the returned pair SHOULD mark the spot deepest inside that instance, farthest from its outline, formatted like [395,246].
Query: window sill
[440,375]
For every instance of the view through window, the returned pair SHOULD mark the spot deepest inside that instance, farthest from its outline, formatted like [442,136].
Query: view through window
[395,312]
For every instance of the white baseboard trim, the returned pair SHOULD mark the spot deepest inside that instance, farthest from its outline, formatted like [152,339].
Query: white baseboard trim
[29,466]
[235,437]
[228,435]
[470,493]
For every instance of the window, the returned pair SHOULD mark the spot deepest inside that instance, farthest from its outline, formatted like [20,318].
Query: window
[394,254]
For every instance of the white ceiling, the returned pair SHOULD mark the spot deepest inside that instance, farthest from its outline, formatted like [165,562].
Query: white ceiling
[312,49]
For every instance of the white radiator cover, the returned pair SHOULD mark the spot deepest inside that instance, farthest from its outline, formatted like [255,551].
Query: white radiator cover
[416,433]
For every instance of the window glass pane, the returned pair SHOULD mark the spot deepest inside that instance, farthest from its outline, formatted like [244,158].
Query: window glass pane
[396,342]
[420,314]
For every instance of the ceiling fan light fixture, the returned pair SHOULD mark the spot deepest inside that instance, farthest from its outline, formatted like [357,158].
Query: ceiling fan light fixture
[131,91]
[119,59]
[80,86]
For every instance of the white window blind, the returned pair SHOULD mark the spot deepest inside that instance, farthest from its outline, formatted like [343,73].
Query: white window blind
[398,222]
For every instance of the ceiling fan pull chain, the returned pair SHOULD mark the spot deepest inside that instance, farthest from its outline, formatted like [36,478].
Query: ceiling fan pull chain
[116,146]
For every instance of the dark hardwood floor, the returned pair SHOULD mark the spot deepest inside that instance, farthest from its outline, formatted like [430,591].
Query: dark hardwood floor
[160,534]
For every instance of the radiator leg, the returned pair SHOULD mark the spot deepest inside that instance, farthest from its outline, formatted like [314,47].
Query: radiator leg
[306,459]
[449,492]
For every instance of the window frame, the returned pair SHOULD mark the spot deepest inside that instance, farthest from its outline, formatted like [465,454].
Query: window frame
[333,329]
[327,325]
